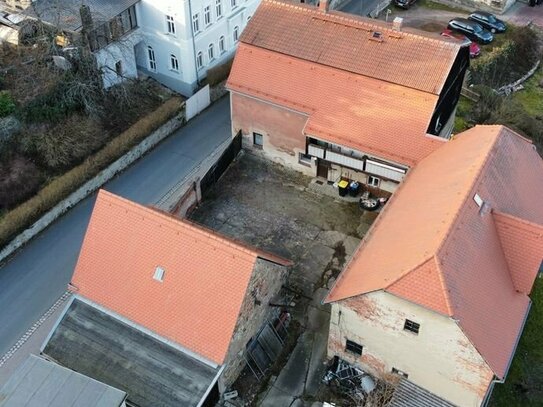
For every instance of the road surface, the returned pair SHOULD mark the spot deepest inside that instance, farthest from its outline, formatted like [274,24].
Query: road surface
[359,7]
[38,274]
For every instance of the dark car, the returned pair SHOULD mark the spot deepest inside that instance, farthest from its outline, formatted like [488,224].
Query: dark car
[404,3]
[471,29]
[488,21]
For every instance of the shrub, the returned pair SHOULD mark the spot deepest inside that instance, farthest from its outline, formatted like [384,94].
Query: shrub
[7,105]
[65,144]
[512,114]
[19,179]
[219,73]
[23,215]
[488,103]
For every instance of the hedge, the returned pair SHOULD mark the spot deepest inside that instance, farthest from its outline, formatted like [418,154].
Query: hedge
[21,217]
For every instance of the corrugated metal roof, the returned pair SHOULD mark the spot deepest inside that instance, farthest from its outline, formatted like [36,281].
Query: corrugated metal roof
[408,394]
[44,383]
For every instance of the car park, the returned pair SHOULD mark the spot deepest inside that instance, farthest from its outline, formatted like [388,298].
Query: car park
[474,48]
[488,21]
[471,29]
[404,3]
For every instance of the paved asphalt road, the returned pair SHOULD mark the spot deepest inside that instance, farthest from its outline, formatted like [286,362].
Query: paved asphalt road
[38,274]
[359,7]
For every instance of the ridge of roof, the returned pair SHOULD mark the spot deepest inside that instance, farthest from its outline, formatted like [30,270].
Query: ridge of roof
[349,50]
[232,242]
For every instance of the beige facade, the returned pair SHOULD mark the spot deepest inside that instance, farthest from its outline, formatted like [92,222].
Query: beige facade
[440,358]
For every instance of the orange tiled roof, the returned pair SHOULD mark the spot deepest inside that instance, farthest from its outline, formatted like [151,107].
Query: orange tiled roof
[410,58]
[375,117]
[206,276]
[433,246]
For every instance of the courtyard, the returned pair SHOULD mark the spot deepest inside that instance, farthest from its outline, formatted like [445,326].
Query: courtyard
[275,209]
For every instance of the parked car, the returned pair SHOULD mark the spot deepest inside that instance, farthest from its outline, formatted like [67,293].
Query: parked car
[471,29]
[488,21]
[404,3]
[474,48]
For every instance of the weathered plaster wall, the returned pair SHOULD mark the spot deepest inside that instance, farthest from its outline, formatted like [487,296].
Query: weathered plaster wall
[282,131]
[440,358]
[264,285]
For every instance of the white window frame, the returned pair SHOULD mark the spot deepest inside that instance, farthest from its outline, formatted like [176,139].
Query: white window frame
[200,60]
[374,181]
[207,15]
[234,3]
[151,58]
[196,23]
[218,8]
[170,24]
[258,140]
[159,274]
[211,52]
[174,63]
[222,44]
[235,34]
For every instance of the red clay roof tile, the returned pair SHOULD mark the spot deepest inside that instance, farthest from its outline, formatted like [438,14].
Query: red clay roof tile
[198,302]
[433,214]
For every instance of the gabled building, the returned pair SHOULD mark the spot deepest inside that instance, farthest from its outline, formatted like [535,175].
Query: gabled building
[332,94]
[175,42]
[165,309]
[438,290]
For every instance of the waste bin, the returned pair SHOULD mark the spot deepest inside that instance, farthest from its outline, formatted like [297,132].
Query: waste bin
[354,188]
[343,187]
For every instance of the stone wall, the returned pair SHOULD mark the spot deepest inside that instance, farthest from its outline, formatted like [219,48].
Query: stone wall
[264,285]
[440,358]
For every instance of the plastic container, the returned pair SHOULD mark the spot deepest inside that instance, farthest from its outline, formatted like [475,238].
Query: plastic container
[343,187]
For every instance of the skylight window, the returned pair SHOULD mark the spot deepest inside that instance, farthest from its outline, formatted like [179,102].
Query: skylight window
[159,274]
[478,200]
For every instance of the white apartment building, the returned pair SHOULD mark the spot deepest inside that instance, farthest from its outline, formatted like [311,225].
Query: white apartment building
[173,41]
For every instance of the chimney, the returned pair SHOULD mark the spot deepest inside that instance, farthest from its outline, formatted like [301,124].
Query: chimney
[397,24]
[323,6]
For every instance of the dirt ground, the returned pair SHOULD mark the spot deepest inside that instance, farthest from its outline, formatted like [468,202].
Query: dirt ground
[270,207]
[273,208]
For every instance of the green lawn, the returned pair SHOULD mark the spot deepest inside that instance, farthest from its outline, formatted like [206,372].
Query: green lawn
[524,384]
[531,96]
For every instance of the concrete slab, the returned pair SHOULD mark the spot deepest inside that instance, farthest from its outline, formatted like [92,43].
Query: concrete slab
[331,238]
[276,398]
[291,380]
[317,365]
[350,243]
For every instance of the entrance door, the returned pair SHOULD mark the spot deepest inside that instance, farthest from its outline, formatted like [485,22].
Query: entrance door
[322,169]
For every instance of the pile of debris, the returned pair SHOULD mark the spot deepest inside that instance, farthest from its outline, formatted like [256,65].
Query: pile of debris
[349,380]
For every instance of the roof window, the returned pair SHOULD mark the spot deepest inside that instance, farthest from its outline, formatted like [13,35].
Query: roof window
[159,274]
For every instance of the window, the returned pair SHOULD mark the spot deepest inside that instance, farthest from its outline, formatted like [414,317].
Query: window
[119,68]
[304,159]
[411,326]
[200,60]
[196,23]
[353,347]
[258,140]
[170,25]
[210,52]
[248,18]
[174,63]
[159,274]
[233,3]
[207,15]
[400,373]
[236,33]
[218,8]
[221,44]
[152,60]
[373,181]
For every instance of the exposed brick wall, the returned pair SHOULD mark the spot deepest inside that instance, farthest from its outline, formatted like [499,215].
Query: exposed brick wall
[282,130]
[440,358]
[264,285]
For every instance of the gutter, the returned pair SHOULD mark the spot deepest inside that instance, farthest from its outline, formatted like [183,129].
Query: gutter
[204,397]
[486,400]
[193,44]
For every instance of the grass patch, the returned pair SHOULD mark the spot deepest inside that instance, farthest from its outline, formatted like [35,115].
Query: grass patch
[524,384]
[531,97]
[432,5]
[461,122]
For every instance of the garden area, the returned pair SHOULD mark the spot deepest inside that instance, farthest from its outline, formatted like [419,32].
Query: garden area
[59,127]
[503,62]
